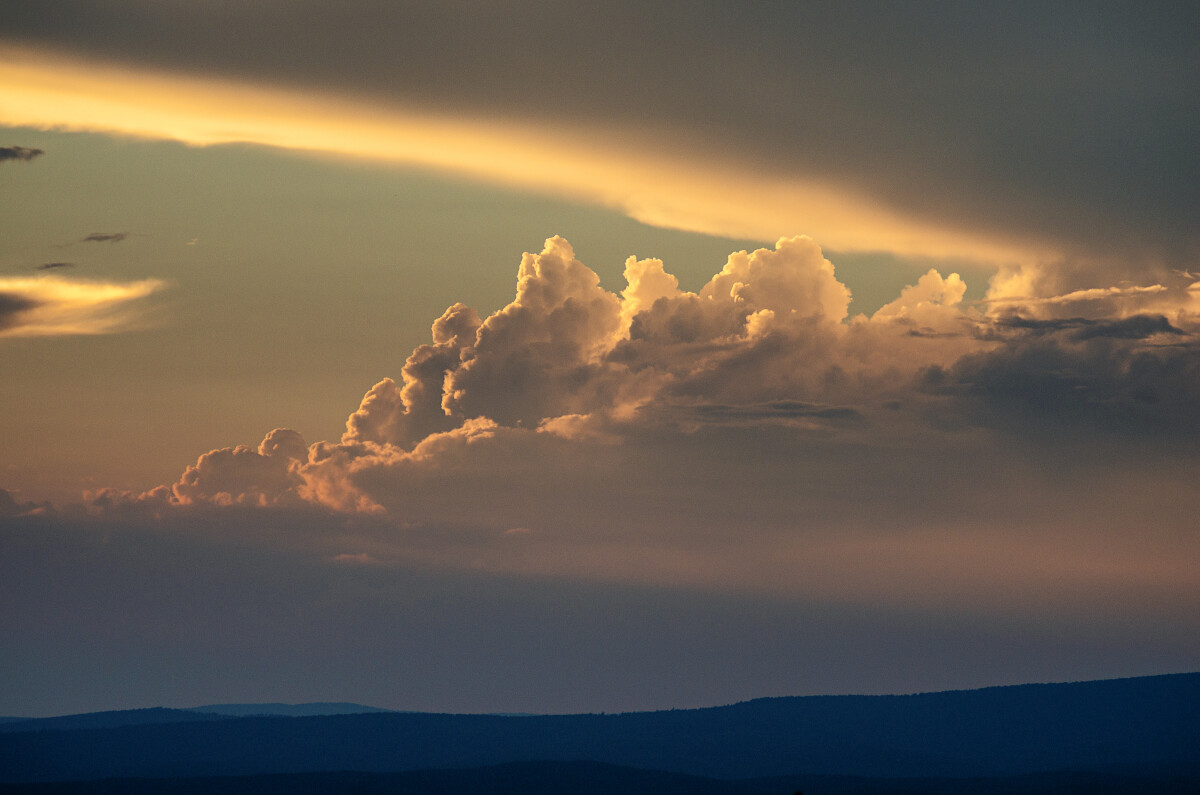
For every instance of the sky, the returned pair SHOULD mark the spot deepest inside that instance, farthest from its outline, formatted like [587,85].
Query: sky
[517,356]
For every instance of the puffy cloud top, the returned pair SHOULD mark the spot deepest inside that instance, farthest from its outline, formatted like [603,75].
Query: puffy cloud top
[540,355]
[241,475]
[794,279]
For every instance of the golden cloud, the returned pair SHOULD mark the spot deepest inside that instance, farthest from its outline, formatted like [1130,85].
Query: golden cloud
[45,306]
[645,173]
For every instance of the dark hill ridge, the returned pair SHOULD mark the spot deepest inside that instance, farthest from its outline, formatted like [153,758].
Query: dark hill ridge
[136,717]
[1148,725]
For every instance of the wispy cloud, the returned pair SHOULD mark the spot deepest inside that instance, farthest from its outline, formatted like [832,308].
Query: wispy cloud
[105,237]
[50,266]
[52,305]
[1078,296]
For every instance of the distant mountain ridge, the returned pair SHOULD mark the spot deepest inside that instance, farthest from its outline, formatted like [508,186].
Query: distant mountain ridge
[1148,726]
[304,710]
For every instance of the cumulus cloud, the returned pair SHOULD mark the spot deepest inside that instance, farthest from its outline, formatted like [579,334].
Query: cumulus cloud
[568,360]
[542,355]
[403,415]
[765,343]
[243,475]
[18,153]
[750,435]
[50,305]
[239,475]
[933,302]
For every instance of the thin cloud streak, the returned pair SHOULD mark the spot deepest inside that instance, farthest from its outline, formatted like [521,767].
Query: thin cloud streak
[648,180]
[105,237]
[51,306]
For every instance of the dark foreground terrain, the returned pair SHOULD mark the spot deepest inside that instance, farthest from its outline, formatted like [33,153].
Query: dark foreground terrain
[1127,735]
[594,778]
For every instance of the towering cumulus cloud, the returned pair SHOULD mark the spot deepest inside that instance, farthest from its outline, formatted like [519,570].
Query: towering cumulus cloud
[755,418]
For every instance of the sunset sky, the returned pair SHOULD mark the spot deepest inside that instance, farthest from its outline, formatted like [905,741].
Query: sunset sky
[508,355]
